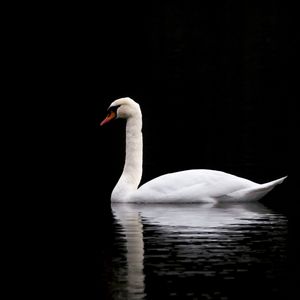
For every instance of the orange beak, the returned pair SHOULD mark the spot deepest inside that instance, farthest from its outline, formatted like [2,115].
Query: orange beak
[111,115]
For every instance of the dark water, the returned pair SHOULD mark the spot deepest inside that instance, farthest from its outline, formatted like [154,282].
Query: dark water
[196,251]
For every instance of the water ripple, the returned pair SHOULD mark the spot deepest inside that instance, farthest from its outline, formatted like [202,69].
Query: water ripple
[199,251]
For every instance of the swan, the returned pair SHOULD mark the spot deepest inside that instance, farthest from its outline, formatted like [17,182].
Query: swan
[190,186]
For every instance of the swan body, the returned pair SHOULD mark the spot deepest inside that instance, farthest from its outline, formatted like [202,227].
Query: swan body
[201,186]
[179,187]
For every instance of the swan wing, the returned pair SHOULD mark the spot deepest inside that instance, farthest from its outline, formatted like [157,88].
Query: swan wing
[191,186]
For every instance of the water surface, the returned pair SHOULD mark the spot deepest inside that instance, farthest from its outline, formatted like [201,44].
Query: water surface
[196,251]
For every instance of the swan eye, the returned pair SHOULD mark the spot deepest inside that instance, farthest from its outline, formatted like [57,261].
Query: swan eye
[111,114]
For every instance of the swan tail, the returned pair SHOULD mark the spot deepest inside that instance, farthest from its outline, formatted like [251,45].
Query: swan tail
[275,182]
[252,193]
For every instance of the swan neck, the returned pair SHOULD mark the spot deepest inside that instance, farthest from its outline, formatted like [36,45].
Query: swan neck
[133,167]
[134,151]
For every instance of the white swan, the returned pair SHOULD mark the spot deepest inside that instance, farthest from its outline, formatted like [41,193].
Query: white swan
[179,187]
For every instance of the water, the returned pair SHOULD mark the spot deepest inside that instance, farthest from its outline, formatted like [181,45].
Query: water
[196,251]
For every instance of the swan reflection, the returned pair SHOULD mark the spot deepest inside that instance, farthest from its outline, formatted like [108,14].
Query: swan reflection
[188,216]
[188,239]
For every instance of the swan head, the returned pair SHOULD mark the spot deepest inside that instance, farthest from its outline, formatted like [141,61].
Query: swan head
[123,108]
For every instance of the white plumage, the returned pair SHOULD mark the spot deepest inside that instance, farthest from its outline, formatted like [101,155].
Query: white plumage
[180,187]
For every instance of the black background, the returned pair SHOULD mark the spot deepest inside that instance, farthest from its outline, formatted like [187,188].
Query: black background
[208,77]
[209,81]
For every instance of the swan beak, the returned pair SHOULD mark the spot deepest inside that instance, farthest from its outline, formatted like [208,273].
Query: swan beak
[111,115]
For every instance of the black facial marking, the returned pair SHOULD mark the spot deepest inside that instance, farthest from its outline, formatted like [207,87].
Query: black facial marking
[113,108]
